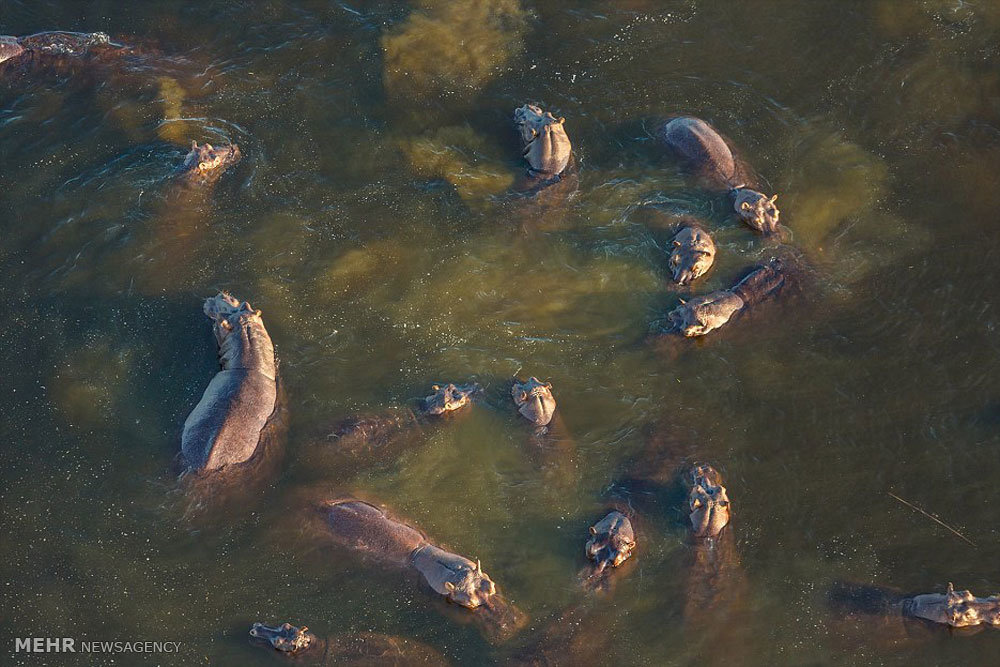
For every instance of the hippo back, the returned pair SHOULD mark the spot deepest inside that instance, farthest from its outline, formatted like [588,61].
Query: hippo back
[704,151]
[64,43]
[366,528]
[762,284]
[9,48]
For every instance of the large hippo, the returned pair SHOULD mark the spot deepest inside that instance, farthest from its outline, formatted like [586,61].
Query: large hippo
[51,45]
[956,609]
[367,529]
[362,435]
[707,313]
[551,176]
[359,649]
[707,155]
[225,428]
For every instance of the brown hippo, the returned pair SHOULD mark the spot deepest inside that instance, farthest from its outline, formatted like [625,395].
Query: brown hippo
[707,313]
[955,609]
[366,529]
[692,254]
[225,428]
[356,649]
[707,155]
[534,401]
[51,45]
[364,434]
[204,164]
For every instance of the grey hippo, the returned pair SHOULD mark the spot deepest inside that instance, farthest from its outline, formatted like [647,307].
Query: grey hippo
[706,313]
[692,253]
[51,46]
[708,156]
[364,434]
[953,609]
[225,428]
[369,531]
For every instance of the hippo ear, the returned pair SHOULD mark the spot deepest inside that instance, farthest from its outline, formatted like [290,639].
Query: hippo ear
[677,244]
[683,302]
[435,387]
[774,198]
[225,325]
[194,145]
[561,120]
[209,147]
[479,566]
[524,396]
[746,206]
[593,530]
[448,586]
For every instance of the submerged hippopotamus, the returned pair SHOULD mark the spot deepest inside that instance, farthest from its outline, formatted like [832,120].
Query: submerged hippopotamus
[364,648]
[205,164]
[534,401]
[49,45]
[225,428]
[708,502]
[692,254]
[956,609]
[369,432]
[706,154]
[364,528]
[610,544]
[709,312]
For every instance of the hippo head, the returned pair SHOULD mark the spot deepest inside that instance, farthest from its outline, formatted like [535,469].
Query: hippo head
[285,637]
[203,165]
[544,142]
[9,48]
[228,314]
[692,255]
[705,313]
[757,210]
[470,587]
[611,541]
[534,400]
[958,609]
[449,397]
[708,501]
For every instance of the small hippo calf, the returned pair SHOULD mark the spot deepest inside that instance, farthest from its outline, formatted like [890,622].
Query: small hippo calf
[611,542]
[703,314]
[205,164]
[534,400]
[692,255]
[367,529]
[365,433]
[225,427]
[363,648]
[706,154]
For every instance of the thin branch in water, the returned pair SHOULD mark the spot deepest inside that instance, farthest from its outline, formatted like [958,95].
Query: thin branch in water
[931,517]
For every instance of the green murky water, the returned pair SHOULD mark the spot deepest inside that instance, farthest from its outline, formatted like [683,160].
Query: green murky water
[364,221]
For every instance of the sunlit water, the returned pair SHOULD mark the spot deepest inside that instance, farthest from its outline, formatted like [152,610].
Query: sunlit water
[368,222]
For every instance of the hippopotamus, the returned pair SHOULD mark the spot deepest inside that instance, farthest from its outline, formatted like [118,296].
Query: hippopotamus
[889,614]
[610,544]
[46,45]
[534,401]
[544,143]
[225,428]
[205,164]
[365,528]
[371,432]
[708,502]
[363,648]
[707,155]
[692,254]
[703,314]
